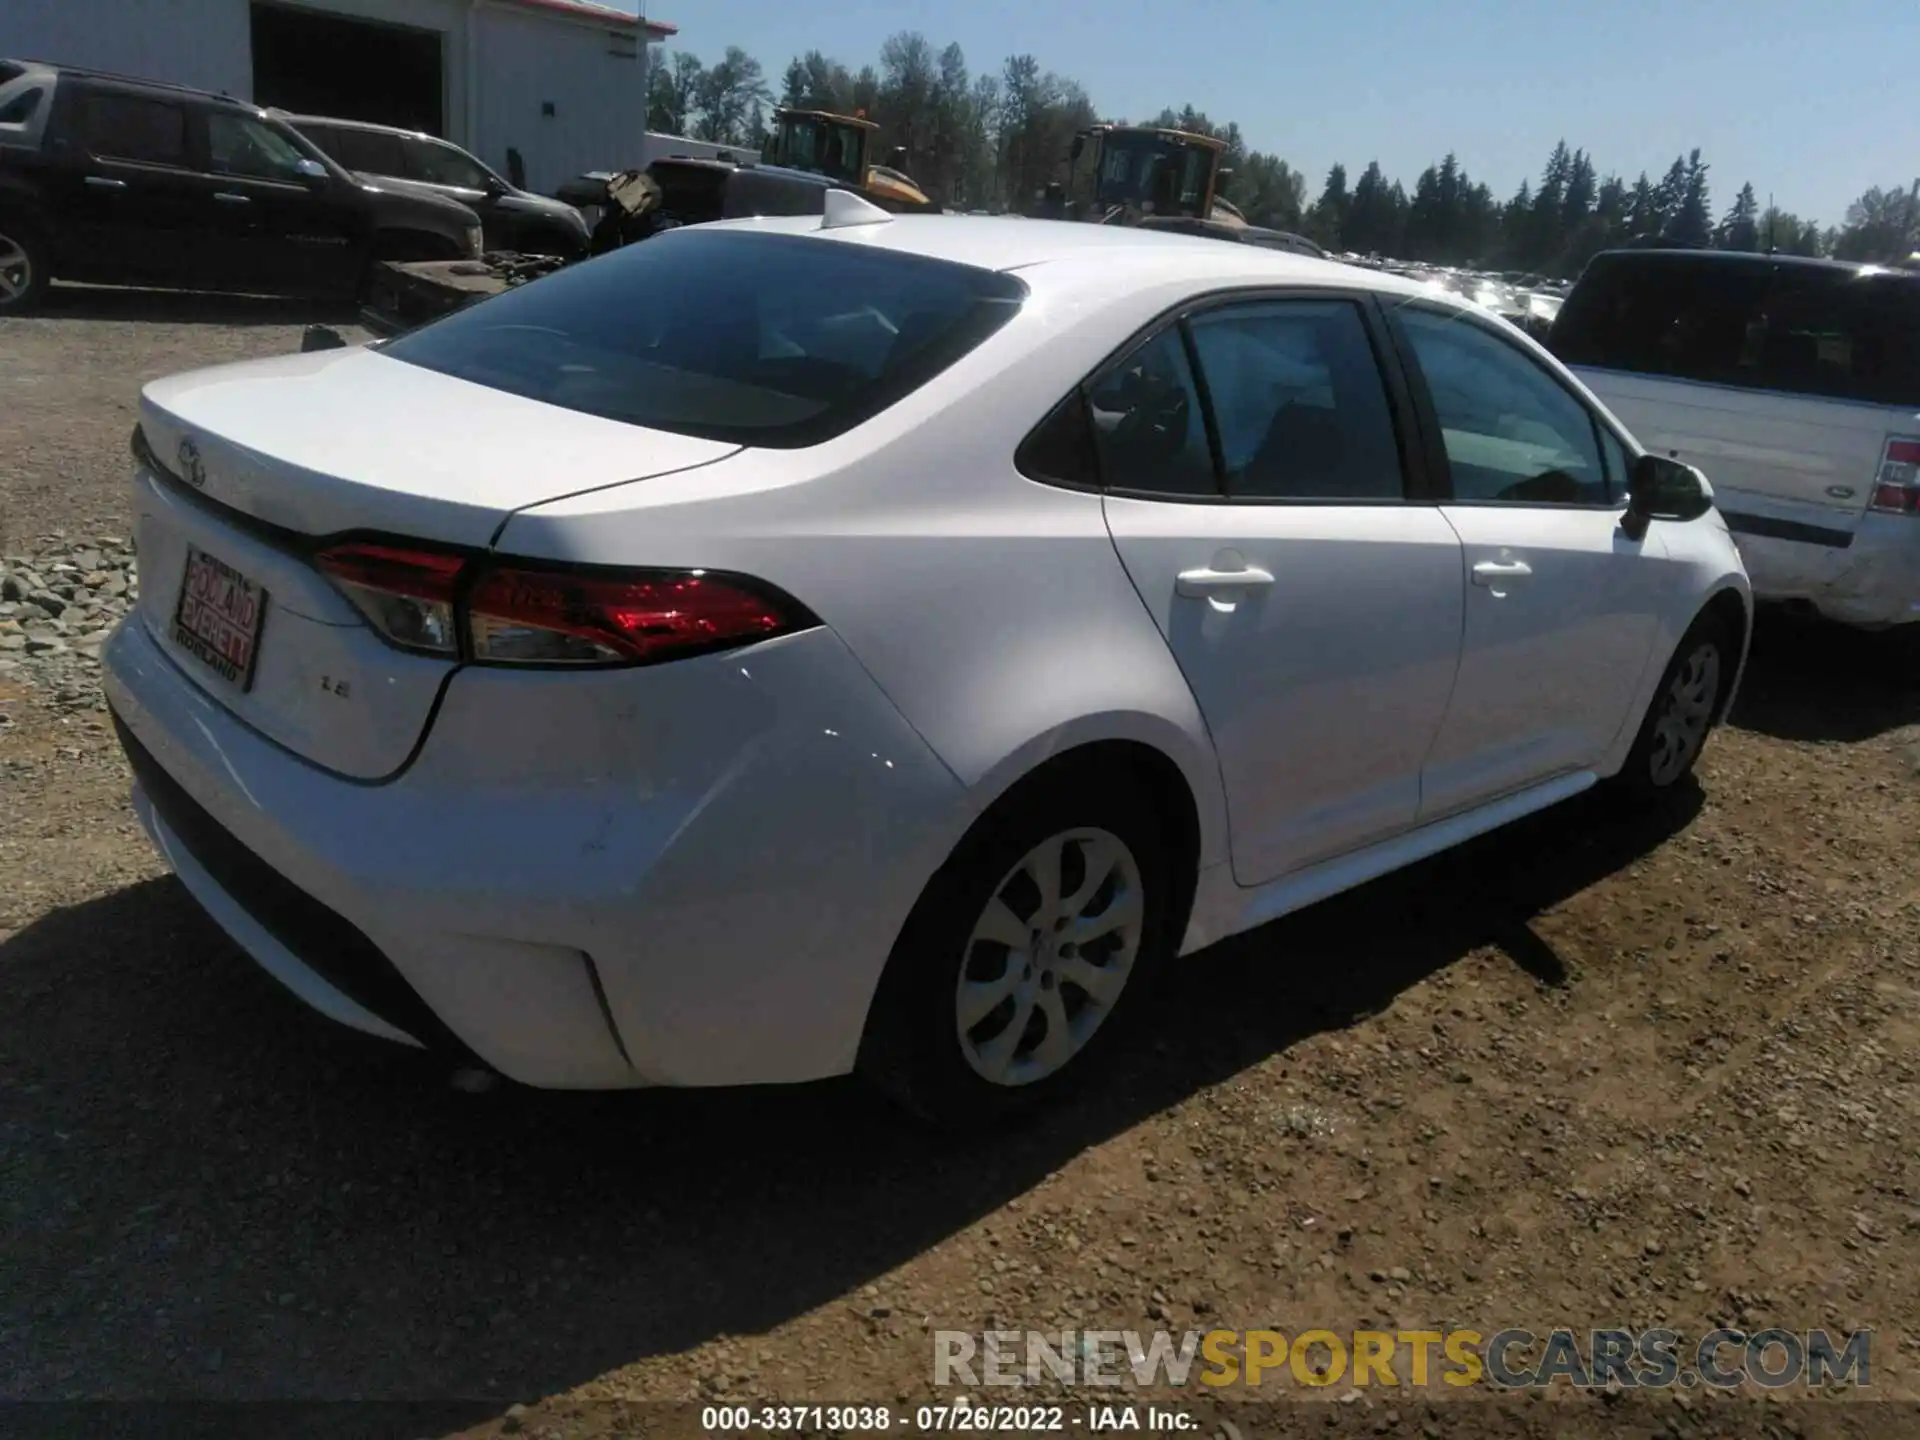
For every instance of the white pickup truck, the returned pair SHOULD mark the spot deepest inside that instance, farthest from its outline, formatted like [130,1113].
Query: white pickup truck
[1795,386]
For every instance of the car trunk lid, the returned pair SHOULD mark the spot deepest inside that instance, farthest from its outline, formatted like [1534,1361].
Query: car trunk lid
[339,440]
[247,470]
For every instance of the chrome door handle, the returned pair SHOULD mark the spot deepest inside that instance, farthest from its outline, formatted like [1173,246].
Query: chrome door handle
[1205,581]
[227,197]
[102,182]
[1493,573]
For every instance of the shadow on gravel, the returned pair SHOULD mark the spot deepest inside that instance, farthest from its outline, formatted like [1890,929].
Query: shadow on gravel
[212,1192]
[186,307]
[1809,679]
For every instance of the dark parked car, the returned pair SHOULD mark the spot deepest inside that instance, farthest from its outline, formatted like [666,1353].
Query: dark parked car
[515,219]
[120,181]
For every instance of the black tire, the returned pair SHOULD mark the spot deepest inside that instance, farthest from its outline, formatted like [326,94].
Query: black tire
[25,271]
[1681,714]
[914,1050]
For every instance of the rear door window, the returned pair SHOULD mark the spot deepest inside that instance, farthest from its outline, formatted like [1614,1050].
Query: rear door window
[1298,401]
[132,127]
[757,339]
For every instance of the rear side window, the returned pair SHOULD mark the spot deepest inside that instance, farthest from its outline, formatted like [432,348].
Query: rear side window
[1298,401]
[130,127]
[1850,335]
[372,152]
[1802,329]
[20,109]
[1149,424]
[755,339]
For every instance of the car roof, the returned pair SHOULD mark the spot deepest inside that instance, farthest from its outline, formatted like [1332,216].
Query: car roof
[1672,255]
[54,70]
[338,123]
[1010,243]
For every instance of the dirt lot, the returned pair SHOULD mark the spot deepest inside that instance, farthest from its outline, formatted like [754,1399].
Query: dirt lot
[1576,1074]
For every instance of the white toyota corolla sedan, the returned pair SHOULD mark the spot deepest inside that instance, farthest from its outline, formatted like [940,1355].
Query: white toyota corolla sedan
[790,647]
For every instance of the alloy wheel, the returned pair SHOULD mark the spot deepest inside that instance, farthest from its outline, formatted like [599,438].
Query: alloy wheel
[1049,956]
[16,269]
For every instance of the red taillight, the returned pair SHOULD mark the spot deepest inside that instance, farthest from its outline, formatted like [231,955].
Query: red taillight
[533,615]
[553,617]
[406,594]
[1897,499]
[1896,489]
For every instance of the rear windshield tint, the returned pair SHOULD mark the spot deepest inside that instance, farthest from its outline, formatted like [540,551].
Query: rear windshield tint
[755,339]
[1802,329]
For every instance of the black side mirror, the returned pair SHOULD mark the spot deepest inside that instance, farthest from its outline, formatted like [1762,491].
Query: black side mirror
[1663,489]
[321,337]
[1079,144]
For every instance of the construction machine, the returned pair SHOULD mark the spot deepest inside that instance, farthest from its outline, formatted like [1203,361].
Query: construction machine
[1144,174]
[820,142]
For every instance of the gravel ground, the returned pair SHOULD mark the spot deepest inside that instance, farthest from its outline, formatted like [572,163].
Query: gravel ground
[1576,1074]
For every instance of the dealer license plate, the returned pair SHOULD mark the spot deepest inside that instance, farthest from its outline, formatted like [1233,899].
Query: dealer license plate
[218,617]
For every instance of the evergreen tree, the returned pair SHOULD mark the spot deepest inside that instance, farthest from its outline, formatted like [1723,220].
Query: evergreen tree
[1739,229]
[1692,221]
[1667,196]
[1328,221]
[998,139]
[1643,209]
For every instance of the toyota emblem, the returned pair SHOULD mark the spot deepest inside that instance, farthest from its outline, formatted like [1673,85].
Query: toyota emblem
[191,470]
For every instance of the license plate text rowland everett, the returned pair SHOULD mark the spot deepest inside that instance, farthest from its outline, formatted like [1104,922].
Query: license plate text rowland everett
[218,619]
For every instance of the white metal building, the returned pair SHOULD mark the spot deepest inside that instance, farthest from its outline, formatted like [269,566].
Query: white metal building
[561,82]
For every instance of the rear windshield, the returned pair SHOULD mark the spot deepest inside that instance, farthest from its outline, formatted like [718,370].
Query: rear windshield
[1803,329]
[755,339]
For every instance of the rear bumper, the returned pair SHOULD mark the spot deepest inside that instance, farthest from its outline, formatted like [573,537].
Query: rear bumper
[1871,581]
[573,894]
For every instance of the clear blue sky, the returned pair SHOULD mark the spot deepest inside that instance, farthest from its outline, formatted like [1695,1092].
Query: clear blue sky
[1814,100]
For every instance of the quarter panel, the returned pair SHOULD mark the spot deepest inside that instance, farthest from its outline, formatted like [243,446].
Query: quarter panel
[991,609]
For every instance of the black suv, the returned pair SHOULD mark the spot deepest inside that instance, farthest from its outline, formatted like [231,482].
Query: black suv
[129,182]
[514,219]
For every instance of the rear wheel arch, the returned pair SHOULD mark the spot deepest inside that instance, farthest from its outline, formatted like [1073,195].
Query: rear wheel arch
[1132,763]
[1167,756]
[1154,812]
